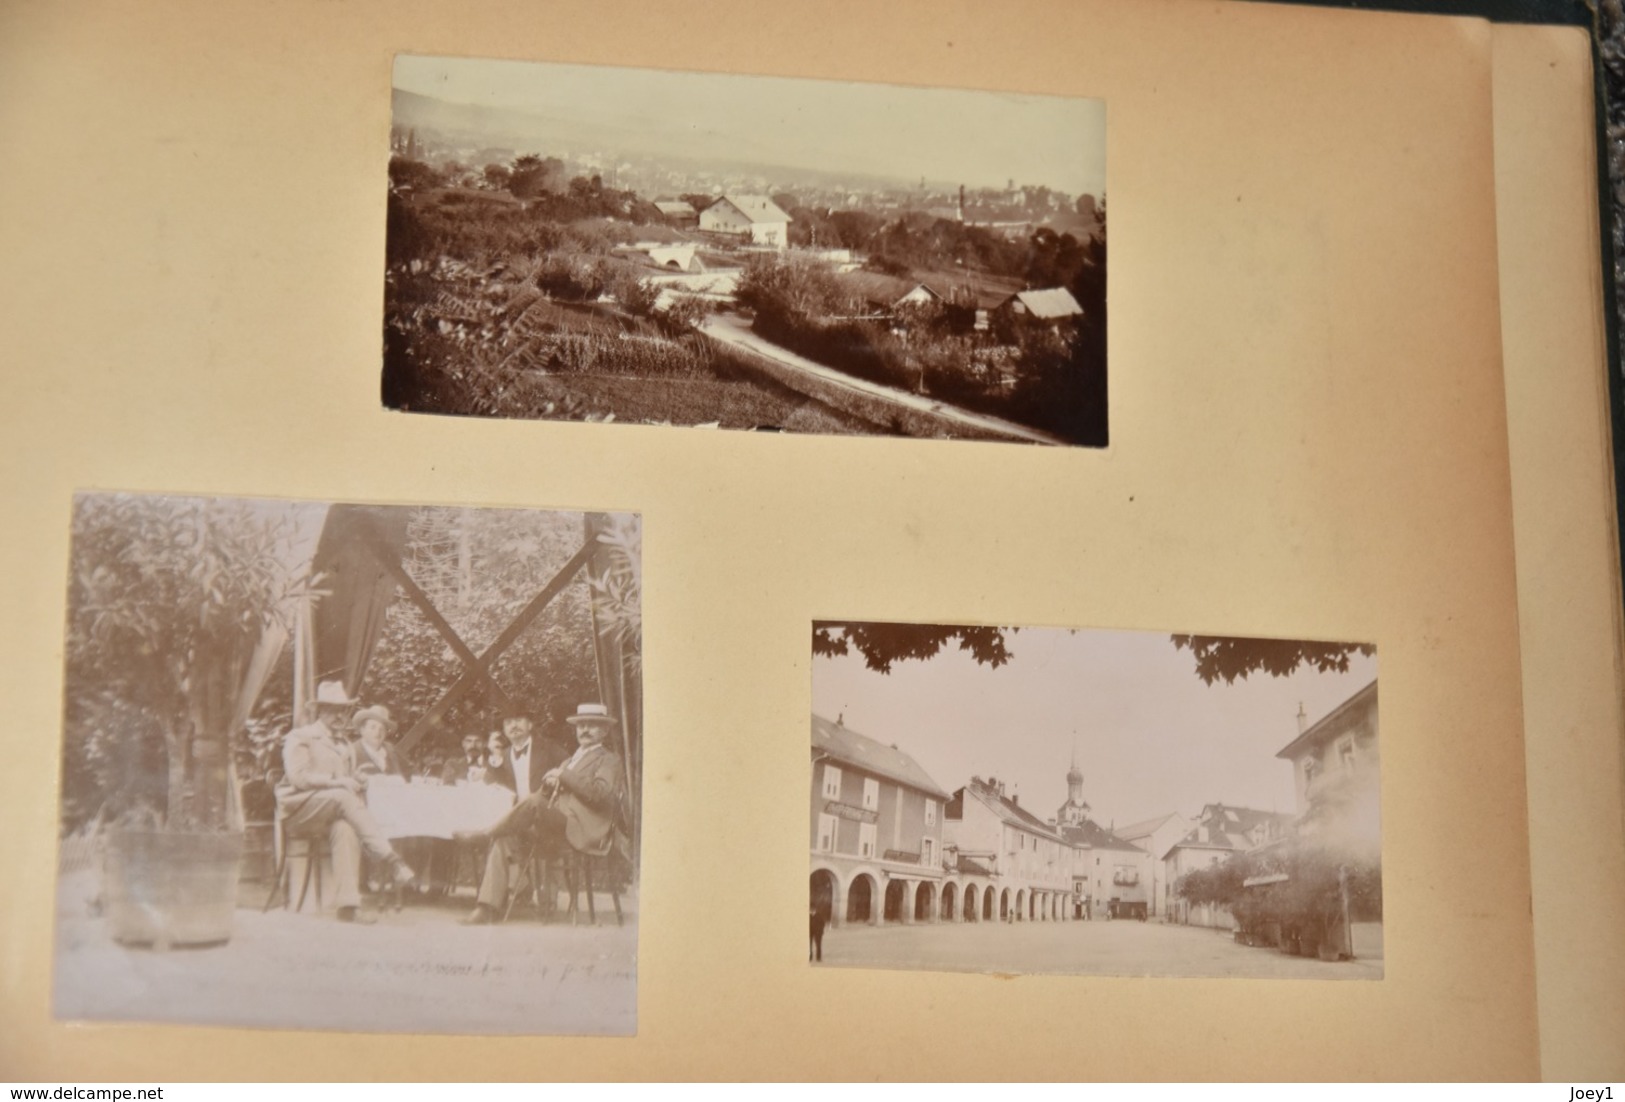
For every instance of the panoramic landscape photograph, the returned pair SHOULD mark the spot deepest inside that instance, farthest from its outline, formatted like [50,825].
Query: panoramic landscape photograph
[589,243]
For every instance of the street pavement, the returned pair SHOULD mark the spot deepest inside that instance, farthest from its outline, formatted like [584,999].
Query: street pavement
[417,970]
[1100,948]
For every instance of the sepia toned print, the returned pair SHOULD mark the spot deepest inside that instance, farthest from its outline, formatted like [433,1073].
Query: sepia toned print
[355,767]
[1038,800]
[601,244]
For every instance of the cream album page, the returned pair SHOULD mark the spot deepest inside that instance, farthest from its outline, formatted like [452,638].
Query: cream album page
[1271,439]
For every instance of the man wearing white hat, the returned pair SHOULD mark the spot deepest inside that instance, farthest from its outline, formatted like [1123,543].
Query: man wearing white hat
[574,806]
[320,792]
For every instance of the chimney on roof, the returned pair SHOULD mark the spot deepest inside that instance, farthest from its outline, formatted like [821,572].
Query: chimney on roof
[1303,720]
[840,719]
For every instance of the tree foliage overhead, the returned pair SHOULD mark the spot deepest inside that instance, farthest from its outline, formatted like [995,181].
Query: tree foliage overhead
[883,644]
[1227,657]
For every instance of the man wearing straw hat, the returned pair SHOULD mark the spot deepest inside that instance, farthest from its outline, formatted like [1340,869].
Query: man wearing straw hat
[573,806]
[320,792]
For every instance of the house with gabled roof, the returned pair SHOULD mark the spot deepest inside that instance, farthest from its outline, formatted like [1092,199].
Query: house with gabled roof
[877,292]
[1110,875]
[1027,863]
[1220,832]
[755,217]
[876,829]
[1049,305]
[1335,767]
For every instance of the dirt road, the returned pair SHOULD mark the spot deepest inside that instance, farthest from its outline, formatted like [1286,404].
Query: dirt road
[735,330]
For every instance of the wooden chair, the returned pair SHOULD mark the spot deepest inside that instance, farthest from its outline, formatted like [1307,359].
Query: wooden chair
[313,849]
[580,865]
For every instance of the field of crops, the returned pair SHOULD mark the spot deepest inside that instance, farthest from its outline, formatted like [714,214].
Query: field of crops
[487,341]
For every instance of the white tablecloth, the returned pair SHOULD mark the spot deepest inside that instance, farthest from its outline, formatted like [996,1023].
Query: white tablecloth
[409,809]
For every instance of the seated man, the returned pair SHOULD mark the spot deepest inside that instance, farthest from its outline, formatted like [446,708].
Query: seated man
[573,806]
[471,766]
[321,792]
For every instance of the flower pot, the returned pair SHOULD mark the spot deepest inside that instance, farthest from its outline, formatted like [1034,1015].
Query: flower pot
[163,889]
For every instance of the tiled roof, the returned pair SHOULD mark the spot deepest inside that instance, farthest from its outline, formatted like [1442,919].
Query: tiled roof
[869,755]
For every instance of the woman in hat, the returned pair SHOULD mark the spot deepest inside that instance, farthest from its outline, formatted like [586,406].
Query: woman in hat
[372,751]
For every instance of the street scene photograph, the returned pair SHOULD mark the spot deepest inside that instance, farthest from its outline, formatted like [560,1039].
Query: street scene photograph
[350,767]
[1035,800]
[590,243]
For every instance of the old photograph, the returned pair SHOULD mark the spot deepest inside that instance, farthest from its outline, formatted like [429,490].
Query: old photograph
[1068,801]
[602,244]
[350,767]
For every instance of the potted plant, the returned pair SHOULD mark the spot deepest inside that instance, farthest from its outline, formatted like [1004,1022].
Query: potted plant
[170,600]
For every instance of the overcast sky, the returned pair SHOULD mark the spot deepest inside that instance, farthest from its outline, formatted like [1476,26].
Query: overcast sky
[1150,737]
[974,138]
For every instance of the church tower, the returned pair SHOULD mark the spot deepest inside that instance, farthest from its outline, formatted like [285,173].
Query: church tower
[1074,811]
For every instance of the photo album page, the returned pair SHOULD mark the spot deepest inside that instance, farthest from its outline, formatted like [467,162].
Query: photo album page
[476,469]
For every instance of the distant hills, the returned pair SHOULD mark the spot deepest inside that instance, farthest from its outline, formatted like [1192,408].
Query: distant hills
[613,133]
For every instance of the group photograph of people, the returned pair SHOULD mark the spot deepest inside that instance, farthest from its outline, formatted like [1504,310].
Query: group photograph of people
[377,765]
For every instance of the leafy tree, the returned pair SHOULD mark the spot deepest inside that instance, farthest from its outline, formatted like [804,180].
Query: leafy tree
[617,588]
[1231,658]
[497,177]
[856,228]
[168,600]
[533,176]
[407,174]
[787,285]
[881,645]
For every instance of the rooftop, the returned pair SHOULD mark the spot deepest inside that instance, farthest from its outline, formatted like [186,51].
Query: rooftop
[758,208]
[848,747]
[1049,304]
[1326,725]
